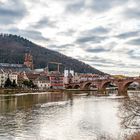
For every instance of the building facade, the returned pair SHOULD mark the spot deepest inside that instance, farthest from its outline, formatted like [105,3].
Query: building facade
[56,80]
[68,76]
[4,75]
[42,82]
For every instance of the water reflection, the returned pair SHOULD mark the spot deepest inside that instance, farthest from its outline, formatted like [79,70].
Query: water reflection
[19,101]
[58,116]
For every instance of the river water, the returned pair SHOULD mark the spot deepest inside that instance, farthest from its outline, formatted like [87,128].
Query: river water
[59,116]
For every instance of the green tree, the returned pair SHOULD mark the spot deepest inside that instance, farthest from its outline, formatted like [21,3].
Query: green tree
[29,84]
[14,83]
[26,83]
[8,83]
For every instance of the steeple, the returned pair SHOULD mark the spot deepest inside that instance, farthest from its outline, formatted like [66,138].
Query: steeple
[28,60]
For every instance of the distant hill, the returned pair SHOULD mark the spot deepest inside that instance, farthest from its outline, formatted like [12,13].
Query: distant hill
[13,48]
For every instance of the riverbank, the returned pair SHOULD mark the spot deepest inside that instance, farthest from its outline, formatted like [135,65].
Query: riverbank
[21,90]
[75,91]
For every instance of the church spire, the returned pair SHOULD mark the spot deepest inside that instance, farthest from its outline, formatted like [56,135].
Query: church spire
[28,60]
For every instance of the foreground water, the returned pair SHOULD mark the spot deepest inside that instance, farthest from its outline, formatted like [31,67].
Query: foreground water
[55,116]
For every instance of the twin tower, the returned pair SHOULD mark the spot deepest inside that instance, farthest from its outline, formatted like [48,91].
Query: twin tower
[28,60]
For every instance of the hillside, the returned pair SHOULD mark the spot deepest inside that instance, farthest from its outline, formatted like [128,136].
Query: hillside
[13,48]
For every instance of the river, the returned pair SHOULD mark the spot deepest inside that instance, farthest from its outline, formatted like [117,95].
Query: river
[59,116]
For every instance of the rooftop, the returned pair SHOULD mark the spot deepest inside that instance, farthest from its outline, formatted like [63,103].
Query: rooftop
[14,67]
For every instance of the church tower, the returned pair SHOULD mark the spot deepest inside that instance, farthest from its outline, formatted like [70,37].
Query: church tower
[28,60]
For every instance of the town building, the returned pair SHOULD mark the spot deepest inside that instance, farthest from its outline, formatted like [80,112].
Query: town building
[14,67]
[13,77]
[68,76]
[43,82]
[4,75]
[2,78]
[56,80]
[27,66]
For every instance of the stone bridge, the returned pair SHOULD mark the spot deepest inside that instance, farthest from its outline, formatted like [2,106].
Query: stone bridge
[101,84]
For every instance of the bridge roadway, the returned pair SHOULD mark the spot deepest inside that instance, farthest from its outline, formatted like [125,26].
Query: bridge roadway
[101,84]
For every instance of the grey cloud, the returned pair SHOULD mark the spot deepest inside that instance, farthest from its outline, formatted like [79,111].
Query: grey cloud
[135,57]
[99,61]
[36,35]
[105,5]
[60,46]
[70,32]
[95,59]
[128,34]
[100,30]
[101,5]
[93,5]
[96,50]
[95,35]
[32,34]
[96,31]
[132,13]
[12,11]
[44,22]
[102,65]
[134,42]
[134,66]
[76,6]
[134,54]
[90,39]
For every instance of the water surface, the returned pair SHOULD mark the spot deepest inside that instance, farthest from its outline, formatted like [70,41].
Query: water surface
[58,116]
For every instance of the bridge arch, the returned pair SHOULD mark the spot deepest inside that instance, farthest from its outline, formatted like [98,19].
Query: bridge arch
[127,84]
[76,87]
[104,85]
[108,83]
[88,85]
[69,87]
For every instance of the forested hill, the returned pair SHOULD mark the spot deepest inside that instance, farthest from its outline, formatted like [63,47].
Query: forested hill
[13,48]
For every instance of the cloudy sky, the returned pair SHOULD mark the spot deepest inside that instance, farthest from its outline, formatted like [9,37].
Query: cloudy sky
[102,33]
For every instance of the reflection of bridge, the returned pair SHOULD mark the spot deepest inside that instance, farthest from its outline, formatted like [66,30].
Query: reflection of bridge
[101,84]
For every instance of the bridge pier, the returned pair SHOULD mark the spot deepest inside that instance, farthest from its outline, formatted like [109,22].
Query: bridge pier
[122,91]
[102,91]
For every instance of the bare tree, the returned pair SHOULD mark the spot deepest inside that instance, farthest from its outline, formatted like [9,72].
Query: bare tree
[130,112]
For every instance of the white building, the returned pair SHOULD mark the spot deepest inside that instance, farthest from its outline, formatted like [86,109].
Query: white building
[2,78]
[68,76]
[4,75]
[43,82]
[13,77]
